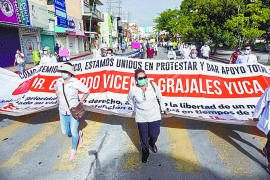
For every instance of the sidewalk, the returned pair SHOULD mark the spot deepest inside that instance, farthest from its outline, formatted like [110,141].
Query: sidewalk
[223,55]
[79,56]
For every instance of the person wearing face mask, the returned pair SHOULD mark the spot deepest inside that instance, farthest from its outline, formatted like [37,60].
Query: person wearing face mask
[205,51]
[19,60]
[235,55]
[47,58]
[171,54]
[147,102]
[193,54]
[185,52]
[246,58]
[109,53]
[66,89]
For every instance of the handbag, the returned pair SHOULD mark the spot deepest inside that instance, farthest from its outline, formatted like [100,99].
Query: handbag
[156,95]
[21,64]
[77,112]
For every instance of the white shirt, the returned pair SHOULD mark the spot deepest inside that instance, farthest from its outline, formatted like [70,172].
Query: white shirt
[48,60]
[246,59]
[96,53]
[145,103]
[186,52]
[155,47]
[192,47]
[205,51]
[19,59]
[71,90]
[171,54]
[104,46]
[262,111]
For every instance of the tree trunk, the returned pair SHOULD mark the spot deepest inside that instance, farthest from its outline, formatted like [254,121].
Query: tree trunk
[215,49]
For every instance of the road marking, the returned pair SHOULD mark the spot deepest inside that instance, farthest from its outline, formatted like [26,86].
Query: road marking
[32,144]
[90,134]
[131,161]
[180,147]
[224,144]
[14,127]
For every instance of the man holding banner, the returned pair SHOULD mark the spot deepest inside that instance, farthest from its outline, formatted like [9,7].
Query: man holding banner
[147,102]
[246,58]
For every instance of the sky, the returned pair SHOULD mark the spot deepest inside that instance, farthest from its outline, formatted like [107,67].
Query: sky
[143,12]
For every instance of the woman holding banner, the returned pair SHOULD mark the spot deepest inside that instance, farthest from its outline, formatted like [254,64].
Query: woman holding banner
[146,98]
[66,89]
[262,114]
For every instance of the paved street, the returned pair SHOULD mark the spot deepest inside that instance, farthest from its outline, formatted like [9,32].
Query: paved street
[33,147]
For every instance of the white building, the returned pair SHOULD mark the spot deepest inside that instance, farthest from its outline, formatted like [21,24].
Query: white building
[108,30]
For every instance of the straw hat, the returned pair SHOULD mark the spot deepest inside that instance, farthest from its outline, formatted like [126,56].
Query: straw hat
[47,48]
[67,67]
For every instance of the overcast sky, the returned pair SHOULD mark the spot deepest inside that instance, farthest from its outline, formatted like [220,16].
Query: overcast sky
[144,11]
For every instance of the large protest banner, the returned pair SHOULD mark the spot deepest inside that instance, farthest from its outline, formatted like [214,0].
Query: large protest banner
[196,89]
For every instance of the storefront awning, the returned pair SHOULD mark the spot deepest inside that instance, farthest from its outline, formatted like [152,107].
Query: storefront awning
[67,31]
[59,29]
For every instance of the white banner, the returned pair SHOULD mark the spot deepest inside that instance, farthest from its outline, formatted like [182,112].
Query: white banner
[196,89]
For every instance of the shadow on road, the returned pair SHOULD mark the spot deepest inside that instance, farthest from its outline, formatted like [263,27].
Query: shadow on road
[228,132]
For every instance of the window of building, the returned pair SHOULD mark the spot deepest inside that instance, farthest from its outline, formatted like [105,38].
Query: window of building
[50,2]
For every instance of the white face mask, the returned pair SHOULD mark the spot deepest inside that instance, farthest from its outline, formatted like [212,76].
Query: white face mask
[109,55]
[65,75]
[193,56]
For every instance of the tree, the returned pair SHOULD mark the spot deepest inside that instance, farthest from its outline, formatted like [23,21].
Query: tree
[250,22]
[228,22]
[164,21]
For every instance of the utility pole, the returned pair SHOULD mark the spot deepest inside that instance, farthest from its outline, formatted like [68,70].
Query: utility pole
[90,25]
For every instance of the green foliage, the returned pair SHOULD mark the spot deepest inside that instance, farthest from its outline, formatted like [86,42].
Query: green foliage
[165,20]
[230,22]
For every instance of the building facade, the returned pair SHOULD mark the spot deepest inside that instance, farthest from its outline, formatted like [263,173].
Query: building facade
[31,25]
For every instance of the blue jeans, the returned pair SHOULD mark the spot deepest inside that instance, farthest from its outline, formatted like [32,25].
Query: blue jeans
[21,68]
[69,126]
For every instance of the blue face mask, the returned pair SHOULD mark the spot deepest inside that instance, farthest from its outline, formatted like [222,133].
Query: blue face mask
[246,51]
[65,75]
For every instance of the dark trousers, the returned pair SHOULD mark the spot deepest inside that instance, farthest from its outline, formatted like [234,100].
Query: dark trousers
[149,132]
[267,146]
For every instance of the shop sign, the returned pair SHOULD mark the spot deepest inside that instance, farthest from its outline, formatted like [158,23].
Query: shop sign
[60,8]
[71,24]
[76,24]
[10,11]
[29,31]
[22,12]
[38,15]
[62,22]
[26,14]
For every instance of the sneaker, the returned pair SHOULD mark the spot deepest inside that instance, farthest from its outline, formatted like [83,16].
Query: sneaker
[268,168]
[264,150]
[80,137]
[72,154]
